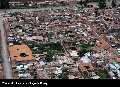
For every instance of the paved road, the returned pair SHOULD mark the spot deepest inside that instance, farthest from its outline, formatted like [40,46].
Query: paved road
[4,52]
[34,9]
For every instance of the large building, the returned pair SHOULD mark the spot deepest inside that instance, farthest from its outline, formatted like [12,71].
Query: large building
[20,53]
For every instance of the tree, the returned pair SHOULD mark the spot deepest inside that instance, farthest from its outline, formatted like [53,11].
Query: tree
[63,3]
[49,56]
[113,3]
[96,12]
[26,4]
[103,74]
[83,2]
[101,4]
[82,52]
[4,4]
[64,74]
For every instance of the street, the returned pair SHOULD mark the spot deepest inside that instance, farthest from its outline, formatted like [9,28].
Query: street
[4,52]
[34,9]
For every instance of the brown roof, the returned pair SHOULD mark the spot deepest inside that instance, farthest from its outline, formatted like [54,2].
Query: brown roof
[20,52]
[102,43]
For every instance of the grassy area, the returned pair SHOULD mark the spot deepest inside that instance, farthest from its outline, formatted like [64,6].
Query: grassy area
[39,48]
[103,74]
[50,48]
[84,48]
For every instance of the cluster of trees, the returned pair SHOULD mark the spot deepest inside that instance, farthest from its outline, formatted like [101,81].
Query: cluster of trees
[84,48]
[102,73]
[101,3]
[64,74]
[50,48]
[113,3]
[84,3]
[4,4]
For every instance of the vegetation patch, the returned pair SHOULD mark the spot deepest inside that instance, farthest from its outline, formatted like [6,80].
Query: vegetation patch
[102,73]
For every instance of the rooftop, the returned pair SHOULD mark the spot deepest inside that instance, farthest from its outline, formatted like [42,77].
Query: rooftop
[20,52]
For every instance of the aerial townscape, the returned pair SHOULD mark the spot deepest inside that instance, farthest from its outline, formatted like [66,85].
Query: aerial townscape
[60,39]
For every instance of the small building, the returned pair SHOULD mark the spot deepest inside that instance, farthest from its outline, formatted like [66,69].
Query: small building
[74,53]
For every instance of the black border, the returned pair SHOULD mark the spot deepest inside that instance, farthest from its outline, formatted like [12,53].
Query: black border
[61,83]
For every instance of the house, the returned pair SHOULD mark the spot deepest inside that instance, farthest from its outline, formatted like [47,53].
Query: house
[74,53]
